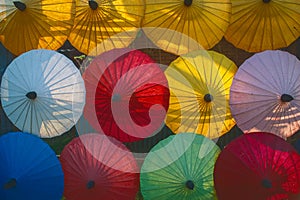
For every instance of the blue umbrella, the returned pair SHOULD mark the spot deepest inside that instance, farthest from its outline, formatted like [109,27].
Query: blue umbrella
[29,169]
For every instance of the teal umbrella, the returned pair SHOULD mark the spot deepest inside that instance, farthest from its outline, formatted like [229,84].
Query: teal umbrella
[180,167]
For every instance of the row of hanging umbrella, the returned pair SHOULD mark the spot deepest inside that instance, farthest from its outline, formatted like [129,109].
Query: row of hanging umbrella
[130,98]
[254,25]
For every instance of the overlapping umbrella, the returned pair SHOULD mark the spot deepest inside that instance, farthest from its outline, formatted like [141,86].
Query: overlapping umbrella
[99,167]
[123,88]
[181,168]
[29,169]
[32,24]
[103,25]
[199,85]
[258,25]
[258,166]
[42,92]
[264,95]
[203,22]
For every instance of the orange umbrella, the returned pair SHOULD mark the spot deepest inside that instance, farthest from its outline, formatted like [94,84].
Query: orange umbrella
[99,21]
[258,25]
[32,24]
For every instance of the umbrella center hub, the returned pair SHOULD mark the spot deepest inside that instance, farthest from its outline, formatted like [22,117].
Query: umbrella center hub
[266,1]
[188,2]
[31,95]
[286,98]
[190,184]
[116,97]
[266,183]
[93,4]
[10,184]
[90,184]
[20,5]
[208,98]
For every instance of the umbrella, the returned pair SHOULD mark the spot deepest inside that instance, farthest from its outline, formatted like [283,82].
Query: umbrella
[42,92]
[29,169]
[127,94]
[258,166]
[99,167]
[180,167]
[32,24]
[100,24]
[265,94]
[199,85]
[258,25]
[179,24]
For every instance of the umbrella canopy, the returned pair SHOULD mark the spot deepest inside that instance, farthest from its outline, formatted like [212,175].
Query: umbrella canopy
[99,167]
[200,21]
[258,166]
[258,25]
[101,23]
[265,94]
[127,94]
[29,169]
[42,92]
[180,167]
[32,24]
[199,85]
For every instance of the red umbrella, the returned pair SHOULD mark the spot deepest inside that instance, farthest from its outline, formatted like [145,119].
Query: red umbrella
[123,85]
[99,167]
[258,166]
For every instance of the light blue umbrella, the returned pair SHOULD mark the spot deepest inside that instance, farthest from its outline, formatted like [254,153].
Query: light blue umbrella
[29,169]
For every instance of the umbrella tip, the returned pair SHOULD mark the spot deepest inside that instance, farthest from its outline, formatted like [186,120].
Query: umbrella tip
[190,184]
[266,183]
[10,184]
[93,4]
[188,2]
[90,184]
[20,5]
[208,98]
[266,1]
[286,98]
[31,95]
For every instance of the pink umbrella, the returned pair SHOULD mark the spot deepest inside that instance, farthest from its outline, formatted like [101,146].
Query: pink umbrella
[265,94]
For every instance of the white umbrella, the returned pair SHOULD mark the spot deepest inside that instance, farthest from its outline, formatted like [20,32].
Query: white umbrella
[42,92]
[265,94]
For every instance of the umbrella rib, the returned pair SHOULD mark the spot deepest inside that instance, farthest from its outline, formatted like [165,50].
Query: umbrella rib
[259,113]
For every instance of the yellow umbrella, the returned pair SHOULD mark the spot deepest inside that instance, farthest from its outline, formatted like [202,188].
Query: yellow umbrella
[33,24]
[105,24]
[199,84]
[258,25]
[203,21]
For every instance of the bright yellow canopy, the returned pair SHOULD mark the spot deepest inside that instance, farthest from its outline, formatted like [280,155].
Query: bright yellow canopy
[258,25]
[34,24]
[204,21]
[199,83]
[102,25]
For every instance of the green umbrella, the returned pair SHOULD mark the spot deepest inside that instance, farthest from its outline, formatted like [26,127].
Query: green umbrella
[180,167]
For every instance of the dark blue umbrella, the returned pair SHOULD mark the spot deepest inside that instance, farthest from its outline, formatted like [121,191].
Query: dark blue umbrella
[29,169]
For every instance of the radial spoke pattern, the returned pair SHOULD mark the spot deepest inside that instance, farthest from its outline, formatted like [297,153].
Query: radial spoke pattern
[176,160]
[256,92]
[59,88]
[256,26]
[43,24]
[190,78]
